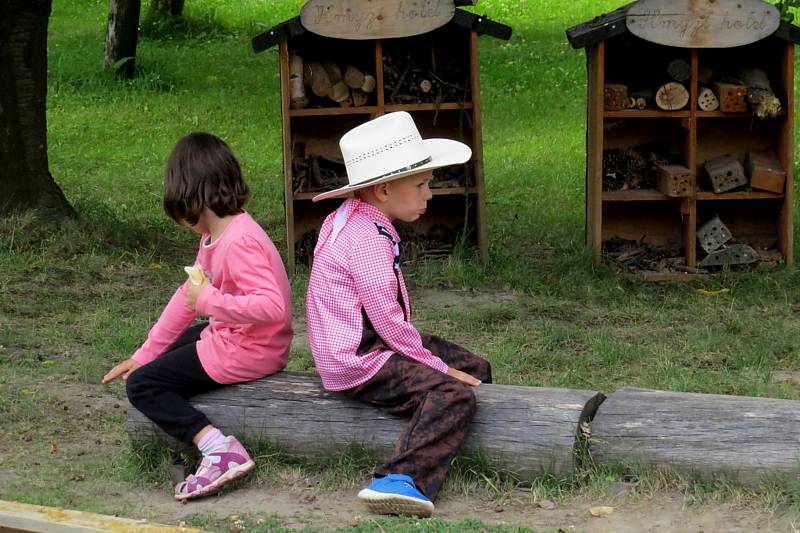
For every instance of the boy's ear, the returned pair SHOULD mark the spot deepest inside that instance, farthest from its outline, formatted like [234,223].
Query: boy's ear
[381,191]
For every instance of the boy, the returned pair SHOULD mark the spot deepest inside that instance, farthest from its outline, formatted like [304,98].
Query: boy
[358,312]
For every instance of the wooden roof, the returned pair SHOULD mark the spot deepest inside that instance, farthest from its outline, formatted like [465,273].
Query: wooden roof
[611,24]
[480,24]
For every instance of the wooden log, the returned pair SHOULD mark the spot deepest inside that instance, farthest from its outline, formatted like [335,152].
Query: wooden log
[710,434]
[679,70]
[765,171]
[615,96]
[369,83]
[297,90]
[707,100]
[526,429]
[674,180]
[339,91]
[731,97]
[360,98]
[316,77]
[672,96]
[353,77]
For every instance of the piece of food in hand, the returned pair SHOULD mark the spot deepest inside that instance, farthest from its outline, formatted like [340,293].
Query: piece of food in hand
[196,274]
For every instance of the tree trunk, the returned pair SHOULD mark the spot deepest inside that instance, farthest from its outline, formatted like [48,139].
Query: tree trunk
[25,180]
[122,36]
[161,9]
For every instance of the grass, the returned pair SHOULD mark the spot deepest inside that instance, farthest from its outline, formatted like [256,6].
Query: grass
[77,297]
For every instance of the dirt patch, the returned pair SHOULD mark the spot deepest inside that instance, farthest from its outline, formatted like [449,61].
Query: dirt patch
[341,509]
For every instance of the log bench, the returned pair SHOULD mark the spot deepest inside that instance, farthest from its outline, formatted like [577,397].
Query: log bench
[528,430]
[743,437]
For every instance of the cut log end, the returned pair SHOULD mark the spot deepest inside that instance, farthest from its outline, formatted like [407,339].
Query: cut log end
[672,96]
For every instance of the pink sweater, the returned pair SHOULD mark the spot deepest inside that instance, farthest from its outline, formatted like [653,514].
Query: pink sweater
[248,303]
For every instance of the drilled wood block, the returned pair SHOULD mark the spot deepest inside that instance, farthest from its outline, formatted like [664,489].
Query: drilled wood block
[725,173]
[765,172]
[616,96]
[674,180]
[732,98]
[713,234]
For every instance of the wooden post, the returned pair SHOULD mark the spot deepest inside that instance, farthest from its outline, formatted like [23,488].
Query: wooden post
[594,149]
[744,437]
[288,196]
[786,156]
[526,429]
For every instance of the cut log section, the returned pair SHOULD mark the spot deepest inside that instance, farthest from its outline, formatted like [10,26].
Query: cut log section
[707,100]
[369,83]
[525,429]
[316,77]
[747,438]
[353,77]
[672,96]
[339,91]
[759,93]
[297,90]
[679,70]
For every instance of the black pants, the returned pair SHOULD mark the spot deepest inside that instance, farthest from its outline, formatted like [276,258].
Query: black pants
[161,388]
[441,408]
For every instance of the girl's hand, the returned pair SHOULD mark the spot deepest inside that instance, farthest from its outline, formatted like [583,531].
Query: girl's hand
[463,377]
[193,291]
[125,368]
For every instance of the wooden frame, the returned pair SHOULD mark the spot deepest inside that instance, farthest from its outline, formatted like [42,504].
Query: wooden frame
[773,211]
[302,215]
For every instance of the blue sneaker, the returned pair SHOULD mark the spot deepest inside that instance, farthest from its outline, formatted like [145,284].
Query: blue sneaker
[395,494]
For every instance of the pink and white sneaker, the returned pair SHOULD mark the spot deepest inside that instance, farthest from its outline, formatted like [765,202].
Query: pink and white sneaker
[225,464]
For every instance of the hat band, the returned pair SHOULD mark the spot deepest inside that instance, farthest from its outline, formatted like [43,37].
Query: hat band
[398,171]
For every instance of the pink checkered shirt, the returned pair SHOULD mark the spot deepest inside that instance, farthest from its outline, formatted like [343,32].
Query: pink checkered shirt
[356,275]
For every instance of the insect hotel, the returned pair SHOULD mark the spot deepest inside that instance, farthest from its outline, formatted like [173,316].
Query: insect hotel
[689,135]
[344,62]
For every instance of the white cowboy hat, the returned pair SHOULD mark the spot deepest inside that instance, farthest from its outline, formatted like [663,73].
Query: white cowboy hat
[389,148]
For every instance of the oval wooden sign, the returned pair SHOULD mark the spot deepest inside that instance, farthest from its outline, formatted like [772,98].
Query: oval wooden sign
[375,19]
[702,23]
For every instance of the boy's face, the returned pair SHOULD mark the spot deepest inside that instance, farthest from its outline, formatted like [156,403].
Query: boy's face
[407,198]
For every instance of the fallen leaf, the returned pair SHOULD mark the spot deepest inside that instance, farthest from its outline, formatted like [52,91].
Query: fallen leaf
[53,448]
[704,292]
[601,510]
[153,266]
[547,504]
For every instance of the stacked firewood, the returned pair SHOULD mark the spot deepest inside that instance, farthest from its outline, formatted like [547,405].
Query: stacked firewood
[437,242]
[670,95]
[314,172]
[640,256]
[323,83]
[631,168]
[452,176]
[412,80]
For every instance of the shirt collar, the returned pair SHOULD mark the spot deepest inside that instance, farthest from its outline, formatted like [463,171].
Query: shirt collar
[376,215]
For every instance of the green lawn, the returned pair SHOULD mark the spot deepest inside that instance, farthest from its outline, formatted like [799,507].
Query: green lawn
[76,298]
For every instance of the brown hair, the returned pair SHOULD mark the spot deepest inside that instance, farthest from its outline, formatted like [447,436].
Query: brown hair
[202,172]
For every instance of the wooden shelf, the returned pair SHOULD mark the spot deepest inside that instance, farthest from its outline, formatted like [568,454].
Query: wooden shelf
[646,113]
[739,195]
[328,111]
[636,195]
[449,106]
[743,114]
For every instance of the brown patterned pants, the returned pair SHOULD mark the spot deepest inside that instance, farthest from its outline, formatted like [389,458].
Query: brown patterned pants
[440,407]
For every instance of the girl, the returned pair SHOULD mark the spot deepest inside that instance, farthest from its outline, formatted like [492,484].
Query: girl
[244,292]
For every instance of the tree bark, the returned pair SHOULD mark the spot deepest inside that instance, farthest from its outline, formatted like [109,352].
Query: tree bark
[25,180]
[122,36]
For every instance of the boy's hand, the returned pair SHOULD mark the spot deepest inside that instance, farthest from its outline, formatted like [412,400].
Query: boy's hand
[193,291]
[463,377]
[125,368]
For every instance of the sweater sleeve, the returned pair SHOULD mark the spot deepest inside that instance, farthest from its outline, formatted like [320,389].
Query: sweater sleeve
[372,268]
[174,320]
[260,300]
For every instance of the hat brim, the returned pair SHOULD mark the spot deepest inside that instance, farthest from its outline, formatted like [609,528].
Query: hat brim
[444,152]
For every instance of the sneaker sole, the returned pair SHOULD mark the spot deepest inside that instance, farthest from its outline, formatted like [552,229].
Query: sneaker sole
[217,484]
[383,503]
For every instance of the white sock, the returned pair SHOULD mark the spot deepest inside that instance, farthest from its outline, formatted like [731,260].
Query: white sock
[211,441]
